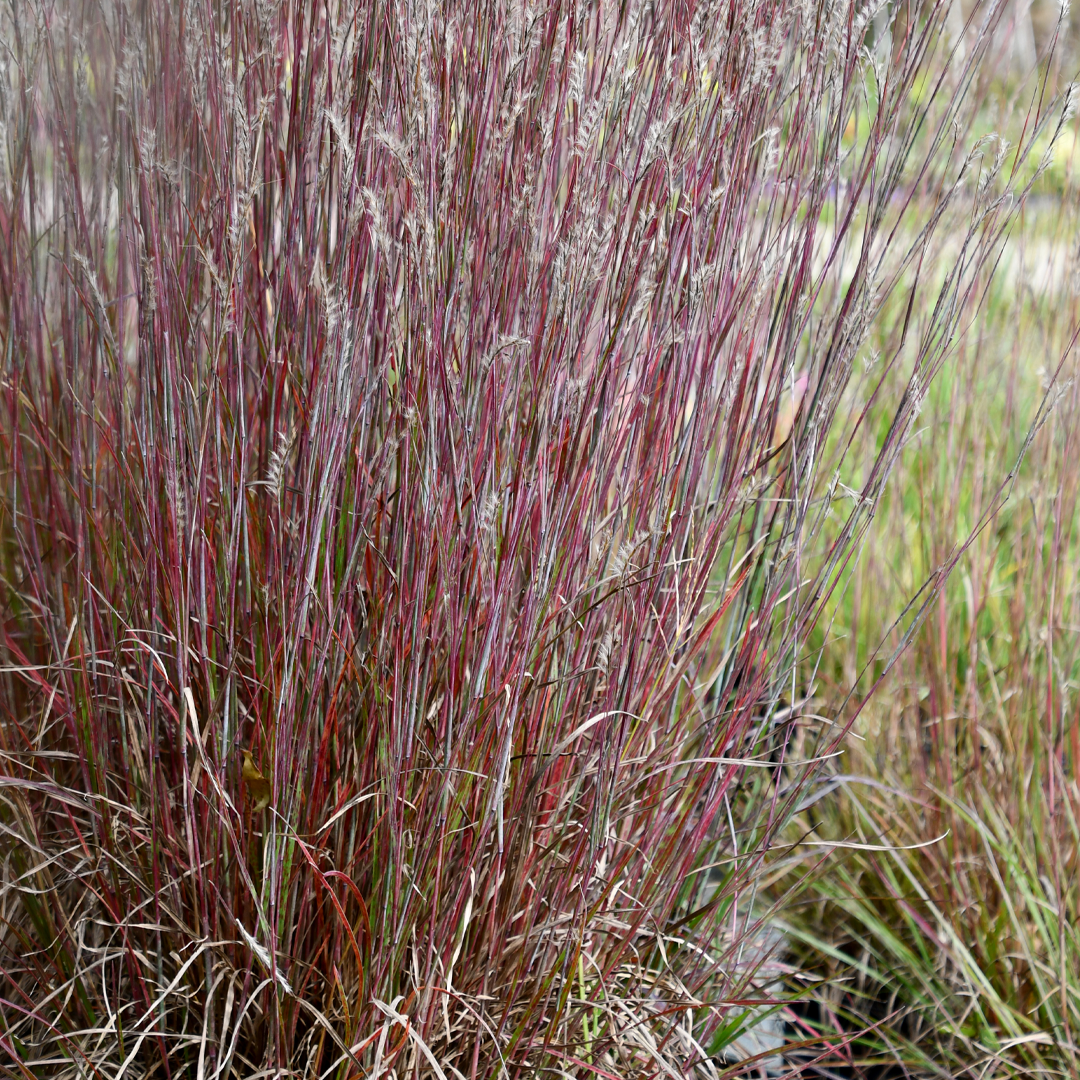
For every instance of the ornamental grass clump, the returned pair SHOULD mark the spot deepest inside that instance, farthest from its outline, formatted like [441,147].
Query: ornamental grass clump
[411,441]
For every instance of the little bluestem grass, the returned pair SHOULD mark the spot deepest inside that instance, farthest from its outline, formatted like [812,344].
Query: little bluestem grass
[393,392]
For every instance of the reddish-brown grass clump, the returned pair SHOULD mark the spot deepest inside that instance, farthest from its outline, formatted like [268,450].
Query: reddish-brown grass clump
[413,425]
